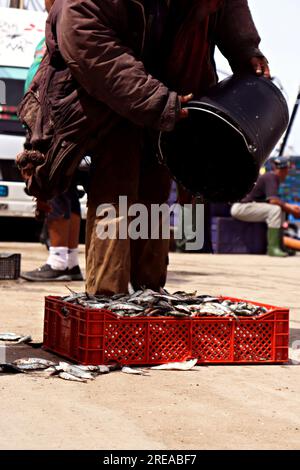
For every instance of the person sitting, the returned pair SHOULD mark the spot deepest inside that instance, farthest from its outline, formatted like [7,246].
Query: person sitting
[263,204]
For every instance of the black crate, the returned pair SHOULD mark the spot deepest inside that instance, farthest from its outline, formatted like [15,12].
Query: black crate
[10,265]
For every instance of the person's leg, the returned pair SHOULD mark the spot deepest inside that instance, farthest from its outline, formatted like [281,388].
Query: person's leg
[275,233]
[107,261]
[59,224]
[59,232]
[114,173]
[58,236]
[56,266]
[73,241]
[74,233]
[149,261]
[263,212]
[258,212]
[73,250]
[149,258]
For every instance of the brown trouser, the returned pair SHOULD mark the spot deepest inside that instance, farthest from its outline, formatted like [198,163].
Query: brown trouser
[125,167]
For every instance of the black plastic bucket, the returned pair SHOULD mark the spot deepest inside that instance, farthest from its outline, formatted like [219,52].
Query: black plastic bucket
[218,150]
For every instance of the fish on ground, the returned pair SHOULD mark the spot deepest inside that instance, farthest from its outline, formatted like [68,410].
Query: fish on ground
[75,371]
[134,371]
[24,340]
[32,363]
[67,376]
[187,365]
[10,337]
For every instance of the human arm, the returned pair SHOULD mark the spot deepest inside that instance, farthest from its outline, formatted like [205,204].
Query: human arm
[292,209]
[89,41]
[270,183]
[238,39]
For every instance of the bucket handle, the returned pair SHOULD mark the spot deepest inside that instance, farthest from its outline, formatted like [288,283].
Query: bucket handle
[251,148]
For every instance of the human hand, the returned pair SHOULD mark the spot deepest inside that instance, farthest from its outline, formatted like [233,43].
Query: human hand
[295,211]
[42,209]
[185,99]
[260,66]
[292,209]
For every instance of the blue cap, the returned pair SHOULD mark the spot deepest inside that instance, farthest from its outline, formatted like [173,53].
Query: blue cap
[281,162]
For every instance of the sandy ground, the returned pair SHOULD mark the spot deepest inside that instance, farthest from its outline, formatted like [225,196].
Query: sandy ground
[214,407]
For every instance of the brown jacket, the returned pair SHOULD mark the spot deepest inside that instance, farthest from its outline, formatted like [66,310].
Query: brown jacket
[93,76]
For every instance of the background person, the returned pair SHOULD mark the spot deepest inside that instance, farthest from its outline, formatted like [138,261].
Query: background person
[63,216]
[263,204]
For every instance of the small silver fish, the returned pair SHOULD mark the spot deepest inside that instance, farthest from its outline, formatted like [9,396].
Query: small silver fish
[73,297]
[175,313]
[147,297]
[153,312]
[183,308]
[84,303]
[9,337]
[24,340]
[75,370]
[135,371]
[183,294]
[187,365]
[32,363]
[172,298]
[49,371]
[125,306]
[67,376]
[101,369]
[214,307]
[88,368]
[96,305]
[206,300]
[136,294]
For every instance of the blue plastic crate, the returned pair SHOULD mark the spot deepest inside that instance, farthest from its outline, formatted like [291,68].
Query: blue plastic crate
[229,235]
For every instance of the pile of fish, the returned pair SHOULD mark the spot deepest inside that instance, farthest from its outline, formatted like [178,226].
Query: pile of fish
[63,370]
[148,303]
[80,373]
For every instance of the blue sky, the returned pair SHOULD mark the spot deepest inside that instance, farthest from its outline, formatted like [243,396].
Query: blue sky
[278,24]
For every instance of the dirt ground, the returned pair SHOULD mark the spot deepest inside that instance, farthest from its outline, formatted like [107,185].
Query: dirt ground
[214,407]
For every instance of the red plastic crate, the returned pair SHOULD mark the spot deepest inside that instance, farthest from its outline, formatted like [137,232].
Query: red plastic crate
[93,336]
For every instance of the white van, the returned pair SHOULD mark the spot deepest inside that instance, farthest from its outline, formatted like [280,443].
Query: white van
[13,199]
[20,32]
